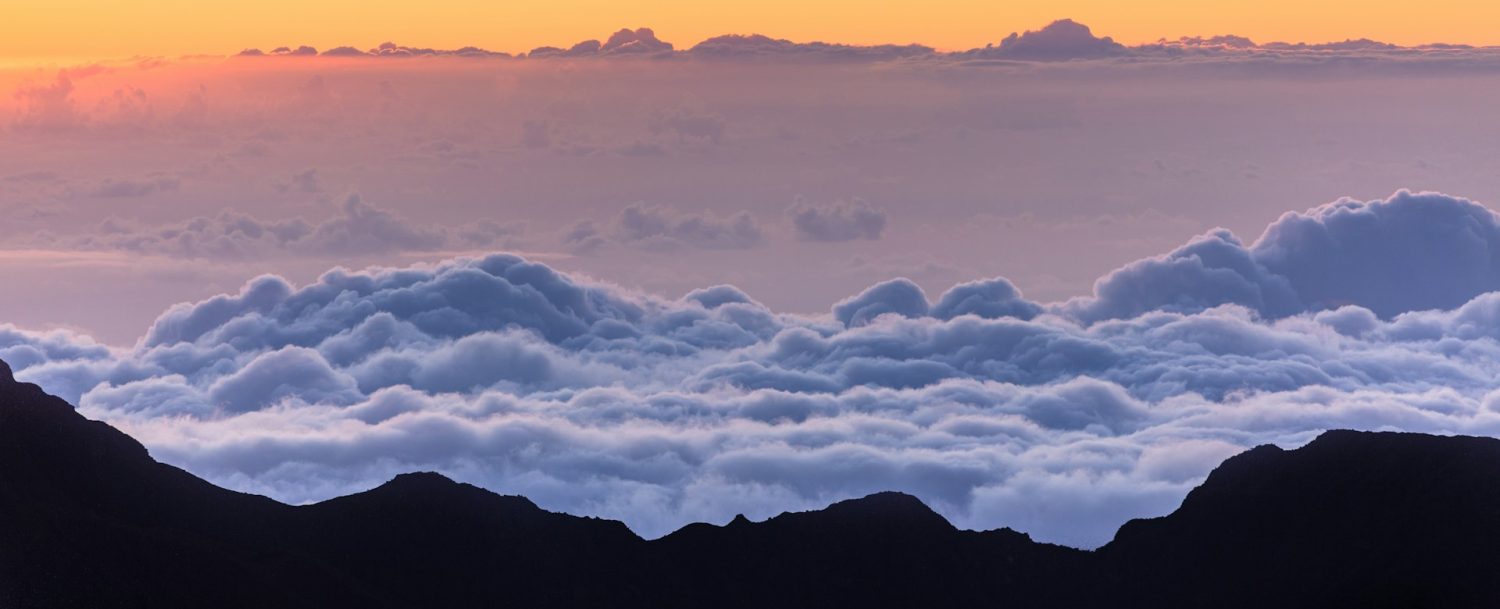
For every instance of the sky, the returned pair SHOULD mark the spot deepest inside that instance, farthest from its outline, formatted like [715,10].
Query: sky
[1044,284]
[94,29]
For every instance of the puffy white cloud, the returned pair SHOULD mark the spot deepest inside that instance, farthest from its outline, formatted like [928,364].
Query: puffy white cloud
[895,297]
[1211,270]
[988,298]
[1408,252]
[595,399]
[290,372]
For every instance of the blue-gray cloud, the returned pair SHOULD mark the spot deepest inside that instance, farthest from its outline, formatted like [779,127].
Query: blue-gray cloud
[1057,419]
[838,221]
[1409,252]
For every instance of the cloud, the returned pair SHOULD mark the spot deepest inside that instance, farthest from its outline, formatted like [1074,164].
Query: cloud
[689,124]
[595,399]
[641,40]
[290,372]
[391,49]
[356,229]
[759,47]
[656,227]
[625,42]
[343,52]
[1061,420]
[306,182]
[895,297]
[839,221]
[1223,42]
[386,49]
[301,51]
[1063,39]
[362,228]
[988,298]
[1408,252]
[136,188]
[1211,270]
[535,134]
[48,107]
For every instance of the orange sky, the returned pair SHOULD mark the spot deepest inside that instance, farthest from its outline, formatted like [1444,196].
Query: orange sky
[87,29]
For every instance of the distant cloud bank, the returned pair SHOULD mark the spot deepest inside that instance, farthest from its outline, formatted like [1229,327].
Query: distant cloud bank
[1061,40]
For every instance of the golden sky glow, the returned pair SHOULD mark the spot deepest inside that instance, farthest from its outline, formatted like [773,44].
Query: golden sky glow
[116,28]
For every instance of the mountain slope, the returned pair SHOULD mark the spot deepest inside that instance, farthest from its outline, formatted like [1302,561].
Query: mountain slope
[1351,519]
[88,519]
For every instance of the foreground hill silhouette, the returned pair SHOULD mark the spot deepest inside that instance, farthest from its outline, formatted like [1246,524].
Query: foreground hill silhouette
[88,519]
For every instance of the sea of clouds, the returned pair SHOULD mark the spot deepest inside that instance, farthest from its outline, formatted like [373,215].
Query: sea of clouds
[1059,419]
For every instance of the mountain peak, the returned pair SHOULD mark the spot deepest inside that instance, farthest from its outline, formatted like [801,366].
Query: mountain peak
[421,480]
[888,508]
[888,501]
[1348,436]
[432,488]
[6,377]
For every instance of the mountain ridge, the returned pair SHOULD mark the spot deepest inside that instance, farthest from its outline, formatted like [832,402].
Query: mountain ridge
[88,518]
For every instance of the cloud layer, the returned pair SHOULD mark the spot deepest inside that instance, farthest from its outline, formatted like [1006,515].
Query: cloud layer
[1063,40]
[1062,420]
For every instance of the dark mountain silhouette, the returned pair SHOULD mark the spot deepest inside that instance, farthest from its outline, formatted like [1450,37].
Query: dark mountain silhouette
[1352,519]
[88,519]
